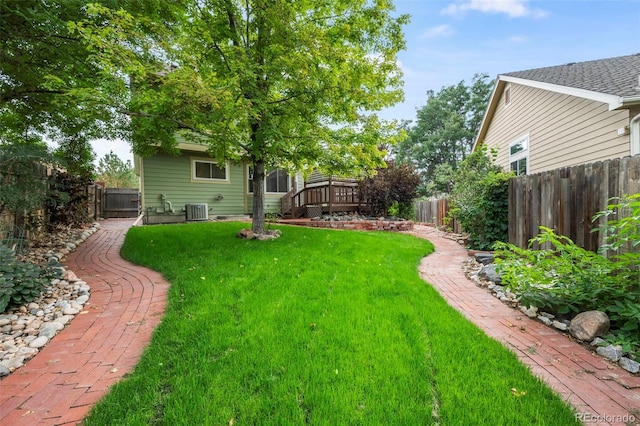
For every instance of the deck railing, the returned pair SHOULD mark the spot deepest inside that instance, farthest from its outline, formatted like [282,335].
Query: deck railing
[329,198]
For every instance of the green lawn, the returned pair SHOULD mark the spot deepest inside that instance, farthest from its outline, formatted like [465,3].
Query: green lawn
[317,327]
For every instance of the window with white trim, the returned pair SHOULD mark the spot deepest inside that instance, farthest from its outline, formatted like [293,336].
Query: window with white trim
[519,156]
[276,181]
[204,170]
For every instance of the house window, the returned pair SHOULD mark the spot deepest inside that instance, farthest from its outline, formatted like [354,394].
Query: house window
[275,181]
[208,170]
[519,156]
[507,95]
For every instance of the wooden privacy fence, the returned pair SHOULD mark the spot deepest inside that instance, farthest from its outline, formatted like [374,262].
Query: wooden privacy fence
[566,199]
[95,193]
[436,211]
[121,202]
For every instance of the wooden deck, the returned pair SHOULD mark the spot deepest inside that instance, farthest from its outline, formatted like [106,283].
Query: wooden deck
[329,197]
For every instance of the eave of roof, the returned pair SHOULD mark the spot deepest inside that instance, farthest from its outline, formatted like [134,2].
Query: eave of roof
[615,102]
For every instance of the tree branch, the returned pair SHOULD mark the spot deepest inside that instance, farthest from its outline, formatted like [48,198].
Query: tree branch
[181,124]
[18,94]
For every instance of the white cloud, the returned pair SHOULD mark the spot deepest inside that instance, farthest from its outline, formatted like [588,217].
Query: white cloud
[439,31]
[517,39]
[512,8]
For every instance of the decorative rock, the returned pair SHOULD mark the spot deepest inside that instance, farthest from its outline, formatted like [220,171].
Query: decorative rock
[17,327]
[246,234]
[27,353]
[64,319]
[630,365]
[531,311]
[13,363]
[484,258]
[24,330]
[559,325]
[82,299]
[597,341]
[545,320]
[488,272]
[39,342]
[49,330]
[547,315]
[70,311]
[612,353]
[588,325]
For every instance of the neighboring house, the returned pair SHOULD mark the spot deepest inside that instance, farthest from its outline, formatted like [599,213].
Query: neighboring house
[194,186]
[546,118]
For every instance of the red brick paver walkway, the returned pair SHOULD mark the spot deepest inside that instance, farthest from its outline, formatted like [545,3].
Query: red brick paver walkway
[61,384]
[103,343]
[601,392]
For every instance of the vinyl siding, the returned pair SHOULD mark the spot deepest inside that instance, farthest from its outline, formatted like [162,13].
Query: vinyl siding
[563,130]
[171,176]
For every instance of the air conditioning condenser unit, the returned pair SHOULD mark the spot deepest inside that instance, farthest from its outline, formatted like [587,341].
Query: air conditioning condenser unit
[197,212]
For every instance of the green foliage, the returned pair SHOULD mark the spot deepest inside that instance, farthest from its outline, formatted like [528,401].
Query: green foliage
[67,203]
[353,338]
[566,279]
[49,85]
[291,84]
[621,229]
[444,131]
[23,184]
[392,188]
[115,173]
[76,156]
[21,282]
[479,200]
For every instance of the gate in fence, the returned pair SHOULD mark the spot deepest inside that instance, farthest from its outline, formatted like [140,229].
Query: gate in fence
[121,202]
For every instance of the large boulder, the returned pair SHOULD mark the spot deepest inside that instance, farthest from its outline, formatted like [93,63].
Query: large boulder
[588,325]
[488,272]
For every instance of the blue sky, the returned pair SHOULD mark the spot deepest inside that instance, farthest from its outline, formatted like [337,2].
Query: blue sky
[449,41]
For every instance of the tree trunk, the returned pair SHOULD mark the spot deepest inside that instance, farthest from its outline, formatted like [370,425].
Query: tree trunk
[257,224]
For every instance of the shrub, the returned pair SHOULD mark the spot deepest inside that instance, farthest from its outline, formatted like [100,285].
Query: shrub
[566,279]
[562,279]
[68,200]
[393,188]
[23,183]
[622,232]
[480,199]
[21,282]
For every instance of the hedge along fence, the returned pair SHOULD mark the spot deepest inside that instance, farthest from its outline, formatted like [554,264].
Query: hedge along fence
[94,192]
[566,200]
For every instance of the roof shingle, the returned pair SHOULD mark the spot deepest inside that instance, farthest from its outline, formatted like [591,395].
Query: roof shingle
[612,76]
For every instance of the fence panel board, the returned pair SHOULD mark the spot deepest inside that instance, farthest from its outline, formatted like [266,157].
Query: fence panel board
[121,202]
[567,199]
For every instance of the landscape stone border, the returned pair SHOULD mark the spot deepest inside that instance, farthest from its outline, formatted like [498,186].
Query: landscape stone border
[25,330]
[480,269]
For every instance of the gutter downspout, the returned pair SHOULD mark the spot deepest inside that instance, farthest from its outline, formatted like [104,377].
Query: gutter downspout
[634,129]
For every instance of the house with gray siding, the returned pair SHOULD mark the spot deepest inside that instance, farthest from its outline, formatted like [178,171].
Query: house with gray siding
[546,118]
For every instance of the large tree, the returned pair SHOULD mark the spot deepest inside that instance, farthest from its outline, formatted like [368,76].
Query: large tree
[45,75]
[116,173]
[445,130]
[291,84]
